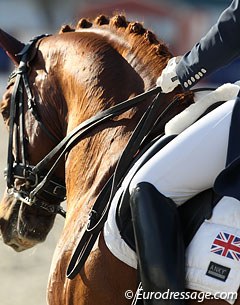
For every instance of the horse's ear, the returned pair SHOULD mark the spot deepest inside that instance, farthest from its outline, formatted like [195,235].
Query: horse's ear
[11,45]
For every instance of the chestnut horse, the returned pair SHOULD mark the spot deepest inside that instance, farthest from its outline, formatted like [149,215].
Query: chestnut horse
[73,75]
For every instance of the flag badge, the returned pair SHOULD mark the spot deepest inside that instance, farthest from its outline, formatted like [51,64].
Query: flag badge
[228,245]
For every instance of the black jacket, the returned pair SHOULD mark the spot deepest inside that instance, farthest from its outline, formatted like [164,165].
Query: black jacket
[219,47]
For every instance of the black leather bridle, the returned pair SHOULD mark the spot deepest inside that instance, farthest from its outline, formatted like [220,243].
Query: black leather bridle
[18,166]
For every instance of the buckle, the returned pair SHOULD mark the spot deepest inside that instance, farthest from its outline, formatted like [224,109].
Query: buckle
[56,188]
[19,197]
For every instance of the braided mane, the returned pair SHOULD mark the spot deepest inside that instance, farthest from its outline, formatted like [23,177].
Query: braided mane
[138,35]
[118,23]
[135,33]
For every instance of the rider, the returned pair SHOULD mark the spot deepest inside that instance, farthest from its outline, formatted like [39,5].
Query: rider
[187,165]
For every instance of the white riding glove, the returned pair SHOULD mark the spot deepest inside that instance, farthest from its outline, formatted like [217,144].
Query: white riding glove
[168,79]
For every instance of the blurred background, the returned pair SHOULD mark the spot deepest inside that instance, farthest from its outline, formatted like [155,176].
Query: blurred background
[23,276]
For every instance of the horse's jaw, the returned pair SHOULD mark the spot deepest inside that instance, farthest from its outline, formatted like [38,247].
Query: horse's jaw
[21,227]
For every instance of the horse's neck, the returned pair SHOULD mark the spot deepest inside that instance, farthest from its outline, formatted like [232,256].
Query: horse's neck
[107,70]
[142,51]
[92,161]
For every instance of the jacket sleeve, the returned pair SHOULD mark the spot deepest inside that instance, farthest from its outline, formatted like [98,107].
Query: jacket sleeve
[219,47]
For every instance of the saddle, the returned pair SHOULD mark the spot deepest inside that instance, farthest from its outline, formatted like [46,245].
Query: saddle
[191,215]
[158,232]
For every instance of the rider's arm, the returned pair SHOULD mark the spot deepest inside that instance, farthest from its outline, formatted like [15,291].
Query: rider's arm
[219,47]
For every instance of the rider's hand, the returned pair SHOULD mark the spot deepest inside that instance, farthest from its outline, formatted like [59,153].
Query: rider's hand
[168,80]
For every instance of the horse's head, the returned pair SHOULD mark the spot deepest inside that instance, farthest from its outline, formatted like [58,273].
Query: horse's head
[34,129]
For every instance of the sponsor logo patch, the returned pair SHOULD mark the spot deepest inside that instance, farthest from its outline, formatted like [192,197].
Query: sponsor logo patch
[218,272]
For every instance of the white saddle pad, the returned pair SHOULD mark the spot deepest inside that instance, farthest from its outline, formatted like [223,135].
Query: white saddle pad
[213,256]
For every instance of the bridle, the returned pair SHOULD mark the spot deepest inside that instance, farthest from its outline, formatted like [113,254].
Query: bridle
[18,166]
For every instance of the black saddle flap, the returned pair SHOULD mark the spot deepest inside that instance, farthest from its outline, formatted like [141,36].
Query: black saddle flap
[192,214]
[197,209]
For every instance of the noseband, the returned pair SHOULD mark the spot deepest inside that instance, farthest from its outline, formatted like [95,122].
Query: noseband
[17,166]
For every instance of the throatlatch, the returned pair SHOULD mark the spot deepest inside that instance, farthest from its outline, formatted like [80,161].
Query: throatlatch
[159,243]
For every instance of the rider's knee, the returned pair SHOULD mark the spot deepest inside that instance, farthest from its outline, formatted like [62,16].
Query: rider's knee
[133,184]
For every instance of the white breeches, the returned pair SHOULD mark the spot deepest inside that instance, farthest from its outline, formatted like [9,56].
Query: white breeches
[191,162]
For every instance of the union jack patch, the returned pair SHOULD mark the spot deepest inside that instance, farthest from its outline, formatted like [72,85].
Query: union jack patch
[227,245]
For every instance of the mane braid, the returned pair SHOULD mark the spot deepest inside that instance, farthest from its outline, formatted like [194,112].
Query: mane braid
[118,22]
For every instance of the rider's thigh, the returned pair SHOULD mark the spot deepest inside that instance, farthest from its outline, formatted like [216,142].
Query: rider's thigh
[190,163]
